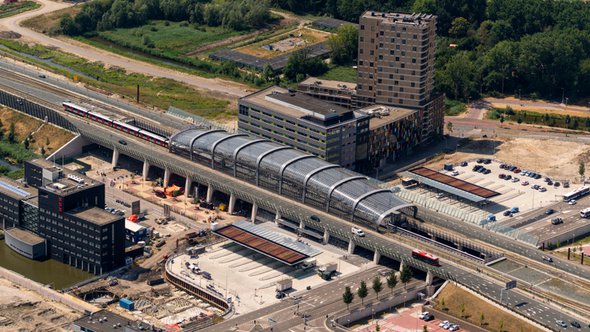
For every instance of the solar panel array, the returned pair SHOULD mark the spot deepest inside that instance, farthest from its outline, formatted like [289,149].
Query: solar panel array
[14,189]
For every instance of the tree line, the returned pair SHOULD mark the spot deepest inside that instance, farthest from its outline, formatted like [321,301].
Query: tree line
[111,14]
[534,48]
[377,285]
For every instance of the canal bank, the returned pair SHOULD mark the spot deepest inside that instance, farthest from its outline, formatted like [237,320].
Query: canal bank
[47,272]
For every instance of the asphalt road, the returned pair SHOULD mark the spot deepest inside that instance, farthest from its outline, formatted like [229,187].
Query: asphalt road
[222,88]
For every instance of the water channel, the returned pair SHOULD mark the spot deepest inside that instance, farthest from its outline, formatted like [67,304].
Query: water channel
[47,272]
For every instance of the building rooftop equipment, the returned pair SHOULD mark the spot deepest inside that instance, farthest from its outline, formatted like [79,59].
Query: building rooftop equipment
[16,190]
[95,215]
[63,181]
[382,115]
[106,321]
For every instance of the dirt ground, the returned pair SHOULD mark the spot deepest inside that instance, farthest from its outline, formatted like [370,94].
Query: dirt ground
[557,159]
[47,136]
[43,23]
[284,44]
[455,298]
[24,310]
[571,110]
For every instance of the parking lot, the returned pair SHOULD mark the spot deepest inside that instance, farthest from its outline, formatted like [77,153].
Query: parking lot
[516,190]
[406,319]
[250,278]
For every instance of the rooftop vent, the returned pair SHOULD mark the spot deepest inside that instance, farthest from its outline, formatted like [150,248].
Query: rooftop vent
[76,178]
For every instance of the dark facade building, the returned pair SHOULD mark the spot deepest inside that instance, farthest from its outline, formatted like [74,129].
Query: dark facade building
[333,133]
[71,218]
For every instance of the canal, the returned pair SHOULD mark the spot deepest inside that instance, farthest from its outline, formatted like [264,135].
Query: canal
[48,272]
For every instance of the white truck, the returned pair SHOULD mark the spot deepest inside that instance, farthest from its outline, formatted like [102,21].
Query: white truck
[308,263]
[327,271]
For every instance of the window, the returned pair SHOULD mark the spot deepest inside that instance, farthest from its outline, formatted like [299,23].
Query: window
[380,33]
[362,27]
[412,84]
[403,41]
[401,89]
[362,39]
[415,36]
[390,76]
[401,101]
[403,65]
[390,88]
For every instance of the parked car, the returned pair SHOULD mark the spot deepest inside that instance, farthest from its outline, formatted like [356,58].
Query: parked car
[542,189]
[314,218]
[524,183]
[515,180]
[549,211]
[428,317]
[423,314]
[556,184]
[548,259]
[443,323]
[538,176]
[576,324]
[487,171]
[556,221]
[572,202]
[535,186]
[122,142]
[547,179]
[514,209]
[479,161]
[549,183]
[508,177]
[506,213]
[501,176]
[517,170]
[455,173]
[566,184]
[280,295]
[454,327]
[357,231]
[481,170]
[464,164]
[487,161]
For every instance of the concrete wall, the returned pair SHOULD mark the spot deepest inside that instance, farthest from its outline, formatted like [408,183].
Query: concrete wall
[71,148]
[567,236]
[46,292]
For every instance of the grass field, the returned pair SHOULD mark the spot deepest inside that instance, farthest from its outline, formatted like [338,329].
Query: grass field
[173,38]
[49,137]
[495,319]
[454,107]
[45,23]
[341,73]
[309,37]
[158,92]
[545,119]
[10,9]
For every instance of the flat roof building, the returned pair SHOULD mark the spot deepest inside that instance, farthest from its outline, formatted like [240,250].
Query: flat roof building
[333,133]
[70,216]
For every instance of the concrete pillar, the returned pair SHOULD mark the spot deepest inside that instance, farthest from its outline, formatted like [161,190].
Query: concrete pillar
[187,186]
[209,194]
[460,247]
[351,246]
[146,170]
[429,278]
[115,160]
[166,177]
[232,203]
[326,237]
[197,192]
[401,265]
[301,225]
[254,212]
[376,257]
[277,217]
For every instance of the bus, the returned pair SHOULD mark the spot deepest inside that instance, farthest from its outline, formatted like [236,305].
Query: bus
[576,193]
[425,257]
[585,213]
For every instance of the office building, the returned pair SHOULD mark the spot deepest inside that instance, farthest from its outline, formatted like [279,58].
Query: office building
[71,218]
[396,65]
[331,132]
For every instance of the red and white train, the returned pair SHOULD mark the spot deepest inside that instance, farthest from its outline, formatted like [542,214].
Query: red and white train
[425,257]
[121,126]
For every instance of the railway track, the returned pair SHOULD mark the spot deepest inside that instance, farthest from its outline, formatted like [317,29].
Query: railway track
[68,95]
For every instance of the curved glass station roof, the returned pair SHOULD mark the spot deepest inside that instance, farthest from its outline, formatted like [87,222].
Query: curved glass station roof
[291,173]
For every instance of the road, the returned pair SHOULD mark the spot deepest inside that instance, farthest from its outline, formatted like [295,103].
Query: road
[463,273]
[220,88]
[317,303]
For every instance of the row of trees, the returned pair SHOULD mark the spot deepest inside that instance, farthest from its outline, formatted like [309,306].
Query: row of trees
[111,14]
[538,48]
[377,286]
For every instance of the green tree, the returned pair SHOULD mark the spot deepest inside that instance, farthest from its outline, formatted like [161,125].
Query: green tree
[425,328]
[501,326]
[347,296]
[405,275]
[301,63]
[344,44]
[462,307]
[581,168]
[392,281]
[26,143]
[46,140]
[450,127]
[442,303]
[43,151]
[502,119]
[363,291]
[11,133]
[481,319]
[67,26]
[459,27]
[267,73]
[377,285]
[519,120]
